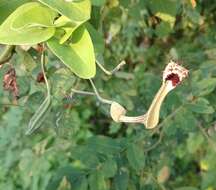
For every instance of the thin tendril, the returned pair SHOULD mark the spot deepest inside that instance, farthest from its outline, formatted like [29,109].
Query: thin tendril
[95,93]
[103,100]
[114,70]
[82,92]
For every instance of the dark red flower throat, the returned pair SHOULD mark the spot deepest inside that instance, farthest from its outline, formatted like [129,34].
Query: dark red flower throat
[174,78]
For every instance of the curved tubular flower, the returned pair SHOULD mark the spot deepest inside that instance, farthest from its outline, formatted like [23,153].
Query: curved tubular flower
[173,75]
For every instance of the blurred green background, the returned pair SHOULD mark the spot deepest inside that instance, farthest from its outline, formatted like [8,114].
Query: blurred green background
[79,147]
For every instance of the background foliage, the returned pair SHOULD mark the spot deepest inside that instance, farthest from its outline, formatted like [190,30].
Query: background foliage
[79,147]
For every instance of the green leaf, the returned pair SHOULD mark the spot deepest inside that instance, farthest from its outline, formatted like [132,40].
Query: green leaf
[201,105]
[135,156]
[68,33]
[26,36]
[194,16]
[121,180]
[163,29]
[77,55]
[24,86]
[30,15]
[87,158]
[104,145]
[76,11]
[204,87]
[98,2]
[29,36]
[97,39]
[166,10]
[183,121]
[97,181]
[7,7]
[163,6]
[25,58]
[39,116]
[80,183]
[208,178]
[194,142]
[109,168]
[72,174]
[64,21]
[68,27]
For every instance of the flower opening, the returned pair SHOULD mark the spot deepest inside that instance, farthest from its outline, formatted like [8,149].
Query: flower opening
[174,73]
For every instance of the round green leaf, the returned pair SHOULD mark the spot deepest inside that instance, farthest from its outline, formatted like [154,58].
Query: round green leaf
[33,14]
[26,35]
[76,11]
[77,55]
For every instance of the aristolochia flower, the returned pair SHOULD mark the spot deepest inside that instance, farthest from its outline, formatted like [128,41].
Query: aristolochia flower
[173,75]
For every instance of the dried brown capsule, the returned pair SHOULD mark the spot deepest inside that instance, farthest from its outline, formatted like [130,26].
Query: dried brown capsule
[10,83]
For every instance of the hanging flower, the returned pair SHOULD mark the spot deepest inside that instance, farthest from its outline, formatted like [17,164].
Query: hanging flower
[173,75]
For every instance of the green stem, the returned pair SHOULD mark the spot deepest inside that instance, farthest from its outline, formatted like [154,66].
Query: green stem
[114,70]
[97,94]
[83,92]
[44,74]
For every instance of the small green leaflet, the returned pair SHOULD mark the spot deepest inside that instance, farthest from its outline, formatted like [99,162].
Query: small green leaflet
[97,181]
[201,105]
[121,179]
[135,156]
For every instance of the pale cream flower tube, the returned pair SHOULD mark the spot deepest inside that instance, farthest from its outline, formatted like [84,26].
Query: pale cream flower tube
[173,75]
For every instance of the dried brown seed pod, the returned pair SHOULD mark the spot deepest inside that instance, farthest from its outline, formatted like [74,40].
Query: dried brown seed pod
[10,83]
